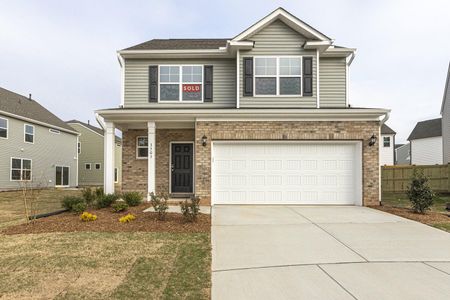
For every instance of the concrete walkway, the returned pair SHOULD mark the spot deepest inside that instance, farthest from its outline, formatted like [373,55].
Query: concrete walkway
[340,252]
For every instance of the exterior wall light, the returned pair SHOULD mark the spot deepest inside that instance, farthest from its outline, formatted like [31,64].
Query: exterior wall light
[204,140]
[372,140]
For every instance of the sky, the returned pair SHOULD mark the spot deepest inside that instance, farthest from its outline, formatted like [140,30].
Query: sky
[64,52]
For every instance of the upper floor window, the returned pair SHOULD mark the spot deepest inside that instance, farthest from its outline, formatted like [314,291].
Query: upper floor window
[386,141]
[3,128]
[98,166]
[20,169]
[79,147]
[278,76]
[29,133]
[142,147]
[181,83]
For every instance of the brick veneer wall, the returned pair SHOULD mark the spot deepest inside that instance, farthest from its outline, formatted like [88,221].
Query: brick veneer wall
[311,130]
[134,171]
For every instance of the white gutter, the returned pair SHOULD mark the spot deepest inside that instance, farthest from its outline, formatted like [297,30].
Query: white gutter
[237,78]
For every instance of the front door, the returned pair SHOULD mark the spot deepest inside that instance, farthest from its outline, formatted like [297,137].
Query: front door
[182,168]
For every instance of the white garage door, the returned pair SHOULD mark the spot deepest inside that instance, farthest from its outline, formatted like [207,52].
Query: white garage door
[286,173]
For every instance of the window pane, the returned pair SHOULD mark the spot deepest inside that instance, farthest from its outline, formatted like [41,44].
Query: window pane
[192,92]
[97,166]
[142,152]
[143,141]
[29,129]
[192,73]
[15,174]
[87,167]
[58,179]
[29,138]
[265,86]
[169,92]
[16,163]
[26,164]
[169,74]
[26,175]
[290,85]
[265,66]
[290,66]
[65,176]
[115,175]
[3,133]
[3,123]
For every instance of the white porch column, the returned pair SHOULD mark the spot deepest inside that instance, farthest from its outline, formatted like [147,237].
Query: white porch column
[108,156]
[151,158]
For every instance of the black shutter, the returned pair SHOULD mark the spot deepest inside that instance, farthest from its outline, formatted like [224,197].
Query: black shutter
[208,83]
[248,76]
[153,84]
[307,76]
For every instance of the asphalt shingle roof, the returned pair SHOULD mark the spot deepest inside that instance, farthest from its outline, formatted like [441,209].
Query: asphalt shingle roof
[22,106]
[426,129]
[386,129]
[180,44]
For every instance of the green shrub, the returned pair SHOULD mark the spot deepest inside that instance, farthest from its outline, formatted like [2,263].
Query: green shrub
[119,206]
[79,207]
[98,192]
[190,208]
[132,198]
[69,202]
[419,192]
[159,203]
[106,200]
[88,195]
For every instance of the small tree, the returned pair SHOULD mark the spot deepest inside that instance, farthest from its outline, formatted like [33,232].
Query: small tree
[419,192]
[190,208]
[159,203]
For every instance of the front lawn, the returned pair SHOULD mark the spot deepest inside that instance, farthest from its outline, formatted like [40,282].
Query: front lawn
[400,205]
[103,265]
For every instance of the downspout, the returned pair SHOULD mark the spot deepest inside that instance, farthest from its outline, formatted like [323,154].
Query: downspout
[347,90]
[382,121]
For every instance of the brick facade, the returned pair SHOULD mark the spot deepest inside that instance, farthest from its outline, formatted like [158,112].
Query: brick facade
[311,130]
[134,176]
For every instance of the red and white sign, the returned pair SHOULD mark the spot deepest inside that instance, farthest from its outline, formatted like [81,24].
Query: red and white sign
[191,88]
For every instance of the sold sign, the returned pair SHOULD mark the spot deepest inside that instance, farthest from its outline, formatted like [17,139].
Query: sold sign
[191,88]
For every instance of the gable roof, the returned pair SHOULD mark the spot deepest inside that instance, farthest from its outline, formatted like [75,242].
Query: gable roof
[22,107]
[91,127]
[290,20]
[180,44]
[426,129]
[446,90]
[387,130]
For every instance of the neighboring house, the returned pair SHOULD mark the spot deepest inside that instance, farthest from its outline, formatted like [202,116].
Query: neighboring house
[90,154]
[426,143]
[37,148]
[445,113]
[402,154]
[261,118]
[387,143]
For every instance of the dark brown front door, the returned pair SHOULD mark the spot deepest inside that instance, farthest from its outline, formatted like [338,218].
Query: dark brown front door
[182,168]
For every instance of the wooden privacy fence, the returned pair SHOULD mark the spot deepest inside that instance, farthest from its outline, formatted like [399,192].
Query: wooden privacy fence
[396,179]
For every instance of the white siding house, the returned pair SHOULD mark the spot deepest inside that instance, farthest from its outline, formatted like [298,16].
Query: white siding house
[426,143]
[387,144]
[445,113]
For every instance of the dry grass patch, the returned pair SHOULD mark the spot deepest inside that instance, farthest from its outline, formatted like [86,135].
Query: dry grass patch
[100,265]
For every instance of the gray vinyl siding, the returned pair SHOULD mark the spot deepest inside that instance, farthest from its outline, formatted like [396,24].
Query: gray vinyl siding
[332,75]
[278,39]
[48,151]
[92,152]
[136,82]
[446,130]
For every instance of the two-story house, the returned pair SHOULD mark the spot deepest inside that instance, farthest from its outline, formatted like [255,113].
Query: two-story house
[36,147]
[426,143]
[260,118]
[90,154]
[445,113]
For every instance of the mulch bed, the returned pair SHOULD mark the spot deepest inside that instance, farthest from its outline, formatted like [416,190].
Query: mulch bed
[427,218]
[108,221]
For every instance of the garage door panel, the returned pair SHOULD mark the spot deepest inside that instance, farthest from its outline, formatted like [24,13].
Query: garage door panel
[285,173]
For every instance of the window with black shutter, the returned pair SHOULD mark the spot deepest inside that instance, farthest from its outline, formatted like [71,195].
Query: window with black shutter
[307,76]
[153,84]
[208,83]
[248,76]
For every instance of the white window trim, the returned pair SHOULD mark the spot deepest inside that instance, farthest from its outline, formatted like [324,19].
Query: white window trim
[277,76]
[389,140]
[116,175]
[180,84]
[138,147]
[90,166]
[62,174]
[21,169]
[95,166]
[25,133]
[7,127]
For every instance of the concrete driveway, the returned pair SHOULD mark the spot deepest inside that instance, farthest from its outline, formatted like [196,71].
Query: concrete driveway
[328,252]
